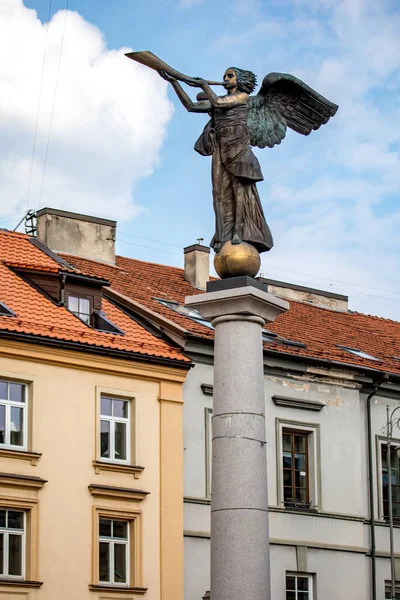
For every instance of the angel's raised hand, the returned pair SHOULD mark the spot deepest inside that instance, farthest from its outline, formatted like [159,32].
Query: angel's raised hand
[196,82]
[165,76]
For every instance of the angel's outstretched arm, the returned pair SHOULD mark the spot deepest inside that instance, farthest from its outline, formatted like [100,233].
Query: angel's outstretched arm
[204,106]
[226,101]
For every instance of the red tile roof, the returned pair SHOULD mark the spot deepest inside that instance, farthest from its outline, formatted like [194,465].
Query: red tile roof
[36,315]
[321,329]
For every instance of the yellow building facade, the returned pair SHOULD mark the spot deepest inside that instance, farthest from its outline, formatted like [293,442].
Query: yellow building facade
[91,482]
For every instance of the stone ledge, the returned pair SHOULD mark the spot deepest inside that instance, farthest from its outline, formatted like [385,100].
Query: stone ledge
[134,470]
[117,589]
[14,479]
[24,583]
[117,492]
[32,457]
[300,403]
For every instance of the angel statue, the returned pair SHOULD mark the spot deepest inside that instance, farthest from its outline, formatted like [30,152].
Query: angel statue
[237,122]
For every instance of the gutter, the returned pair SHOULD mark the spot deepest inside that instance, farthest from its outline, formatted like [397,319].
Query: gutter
[308,359]
[375,388]
[114,353]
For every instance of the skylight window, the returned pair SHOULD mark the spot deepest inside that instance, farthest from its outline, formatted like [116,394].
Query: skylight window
[270,336]
[359,353]
[190,313]
[5,311]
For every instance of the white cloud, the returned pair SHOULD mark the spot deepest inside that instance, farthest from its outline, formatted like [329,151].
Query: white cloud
[109,118]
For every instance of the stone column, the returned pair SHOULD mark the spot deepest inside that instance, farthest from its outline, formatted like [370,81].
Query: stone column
[239,499]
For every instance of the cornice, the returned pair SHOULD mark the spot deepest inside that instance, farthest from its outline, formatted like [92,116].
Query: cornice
[88,361]
[24,481]
[108,491]
[301,403]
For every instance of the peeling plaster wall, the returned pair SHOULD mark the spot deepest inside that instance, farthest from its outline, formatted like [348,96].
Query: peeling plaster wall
[88,239]
[309,297]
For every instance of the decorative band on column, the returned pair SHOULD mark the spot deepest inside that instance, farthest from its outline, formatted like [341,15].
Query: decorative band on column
[249,318]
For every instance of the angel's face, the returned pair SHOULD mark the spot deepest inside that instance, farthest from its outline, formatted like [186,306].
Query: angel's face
[230,79]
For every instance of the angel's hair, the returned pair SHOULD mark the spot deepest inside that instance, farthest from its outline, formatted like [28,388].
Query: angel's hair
[246,80]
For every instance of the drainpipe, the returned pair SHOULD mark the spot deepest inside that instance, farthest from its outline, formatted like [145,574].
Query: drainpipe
[375,387]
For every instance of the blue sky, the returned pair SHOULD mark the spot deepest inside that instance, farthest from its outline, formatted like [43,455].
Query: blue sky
[121,146]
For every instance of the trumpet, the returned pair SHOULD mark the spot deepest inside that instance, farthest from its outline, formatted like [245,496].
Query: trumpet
[152,61]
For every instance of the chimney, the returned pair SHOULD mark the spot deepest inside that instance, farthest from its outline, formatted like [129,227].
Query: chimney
[81,235]
[197,265]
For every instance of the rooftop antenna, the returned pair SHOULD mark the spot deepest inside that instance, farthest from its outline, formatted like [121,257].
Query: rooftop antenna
[30,222]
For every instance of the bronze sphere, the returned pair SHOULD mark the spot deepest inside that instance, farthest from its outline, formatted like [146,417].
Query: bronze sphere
[236,260]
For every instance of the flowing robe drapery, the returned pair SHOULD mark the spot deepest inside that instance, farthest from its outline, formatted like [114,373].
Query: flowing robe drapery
[235,171]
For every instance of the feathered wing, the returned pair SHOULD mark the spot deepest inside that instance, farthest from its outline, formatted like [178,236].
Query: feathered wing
[285,101]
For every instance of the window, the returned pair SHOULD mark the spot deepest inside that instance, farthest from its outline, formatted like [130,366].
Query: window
[299,587]
[5,311]
[13,415]
[295,469]
[114,429]
[190,313]
[271,337]
[12,543]
[388,593]
[359,353]
[113,551]
[80,307]
[298,464]
[394,462]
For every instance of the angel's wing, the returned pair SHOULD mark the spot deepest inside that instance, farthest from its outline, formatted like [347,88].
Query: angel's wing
[285,101]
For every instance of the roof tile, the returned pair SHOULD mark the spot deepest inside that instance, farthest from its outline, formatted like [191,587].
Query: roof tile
[321,329]
[36,315]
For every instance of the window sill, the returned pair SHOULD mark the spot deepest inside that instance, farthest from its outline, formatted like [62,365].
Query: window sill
[20,583]
[134,470]
[32,457]
[117,589]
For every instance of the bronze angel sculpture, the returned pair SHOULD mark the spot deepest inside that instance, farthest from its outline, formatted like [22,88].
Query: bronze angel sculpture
[237,122]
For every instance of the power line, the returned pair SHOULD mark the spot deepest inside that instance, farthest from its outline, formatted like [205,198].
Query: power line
[287,270]
[337,281]
[9,217]
[150,239]
[275,268]
[38,107]
[150,248]
[299,281]
[54,101]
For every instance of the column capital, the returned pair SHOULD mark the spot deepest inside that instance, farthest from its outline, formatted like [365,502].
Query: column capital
[246,300]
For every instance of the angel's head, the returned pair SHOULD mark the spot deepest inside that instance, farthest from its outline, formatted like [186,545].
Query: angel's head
[245,81]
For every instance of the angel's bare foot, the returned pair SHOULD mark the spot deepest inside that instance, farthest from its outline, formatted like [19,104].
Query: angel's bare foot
[217,247]
[236,239]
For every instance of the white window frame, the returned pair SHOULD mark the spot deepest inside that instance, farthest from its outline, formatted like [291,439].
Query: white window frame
[314,460]
[13,404]
[297,574]
[78,313]
[111,541]
[112,420]
[381,441]
[7,531]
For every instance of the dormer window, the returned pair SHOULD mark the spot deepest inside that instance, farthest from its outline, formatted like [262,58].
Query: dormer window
[80,307]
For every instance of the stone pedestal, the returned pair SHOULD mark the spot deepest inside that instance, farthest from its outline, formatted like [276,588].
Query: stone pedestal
[239,499]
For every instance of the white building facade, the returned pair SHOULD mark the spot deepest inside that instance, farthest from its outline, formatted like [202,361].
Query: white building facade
[318,478]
